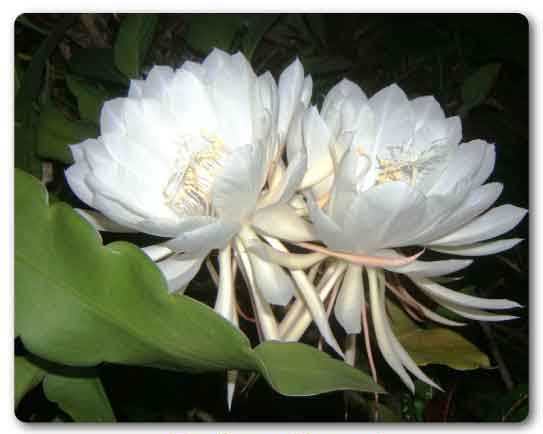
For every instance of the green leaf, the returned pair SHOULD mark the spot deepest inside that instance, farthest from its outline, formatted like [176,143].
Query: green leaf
[300,370]
[81,303]
[56,133]
[477,87]
[83,398]
[97,64]
[90,98]
[208,31]
[32,79]
[27,376]
[435,345]
[133,41]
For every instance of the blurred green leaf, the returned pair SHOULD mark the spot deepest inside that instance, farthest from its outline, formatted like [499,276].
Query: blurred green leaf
[208,31]
[435,345]
[323,65]
[300,370]
[317,25]
[477,87]
[32,79]
[56,133]
[83,398]
[27,376]
[89,98]
[257,26]
[97,64]
[133,41]
[25,150]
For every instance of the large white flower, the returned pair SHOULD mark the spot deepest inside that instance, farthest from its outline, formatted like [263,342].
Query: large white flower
[186,156]
[385,173]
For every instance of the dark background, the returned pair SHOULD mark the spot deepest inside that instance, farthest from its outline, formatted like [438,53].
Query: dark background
[444,55]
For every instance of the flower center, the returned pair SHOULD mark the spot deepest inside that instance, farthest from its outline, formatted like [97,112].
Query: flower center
[407,165]
[188,191]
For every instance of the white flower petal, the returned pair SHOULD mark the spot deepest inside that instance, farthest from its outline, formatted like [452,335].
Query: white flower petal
[475,314]
[237,187]
[274,283]
[462,167]
[101,223]
[157,82]
[393,116]
[350,300]
[351,171]
[426,110]
[291,83]
[493,223]
[75,176]
[477,201]
[281,221]
[179,271]
[446,294]
[136,89]
[327,229]
[156,252]
[378,313]
[428,268]
[190,104]
[487,166]
[111,116]
[317,141]
[479,249]
[385,216]
[205,238]
[334,99]
[307,91]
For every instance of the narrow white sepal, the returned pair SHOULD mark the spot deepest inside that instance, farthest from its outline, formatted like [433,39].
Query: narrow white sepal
[432,288]
[385,346]
[478,249]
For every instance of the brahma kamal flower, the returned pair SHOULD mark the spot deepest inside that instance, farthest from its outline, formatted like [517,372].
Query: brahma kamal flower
[386,173]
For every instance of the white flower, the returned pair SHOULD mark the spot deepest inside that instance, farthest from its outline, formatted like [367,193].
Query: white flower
[187,154]
[388,172]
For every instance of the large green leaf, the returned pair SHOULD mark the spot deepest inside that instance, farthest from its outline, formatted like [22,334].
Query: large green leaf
[90,97]
[83,398]
[299,370]
[98,64]
[81,303]
[435,345]
[27,376]
[56,133]
[133,41]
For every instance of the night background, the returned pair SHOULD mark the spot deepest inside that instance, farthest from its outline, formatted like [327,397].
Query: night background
[475,65]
